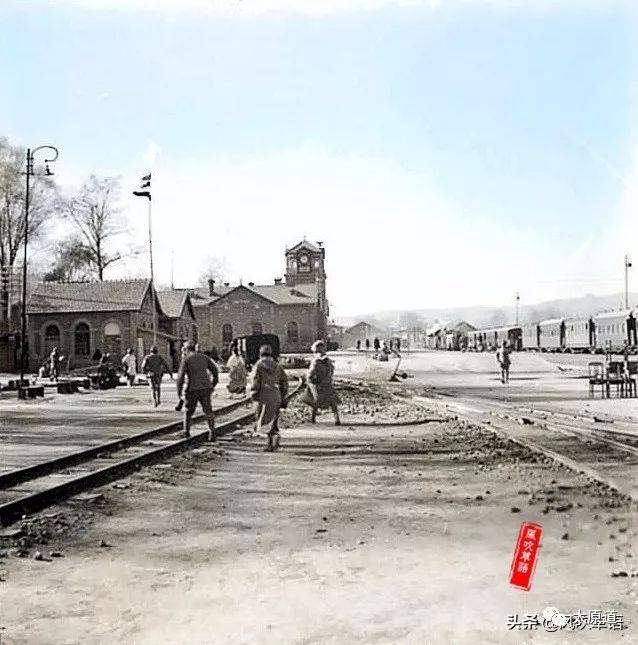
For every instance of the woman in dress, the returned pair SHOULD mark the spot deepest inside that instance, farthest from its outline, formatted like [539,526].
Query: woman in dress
[269,389]
[320,392]
[237,374]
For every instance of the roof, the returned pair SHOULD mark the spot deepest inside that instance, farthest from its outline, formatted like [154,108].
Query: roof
[624,313]
[200,296]
[552,321]
[75,297]
[285,294]
[173,302]
[304,243]
[363,323]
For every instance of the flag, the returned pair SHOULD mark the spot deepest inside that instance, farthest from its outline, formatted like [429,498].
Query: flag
[145,187]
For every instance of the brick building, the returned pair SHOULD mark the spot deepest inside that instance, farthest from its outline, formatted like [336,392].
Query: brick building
[81,317]
[295,308]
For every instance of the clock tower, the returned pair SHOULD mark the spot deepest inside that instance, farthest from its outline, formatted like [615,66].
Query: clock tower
[305,263]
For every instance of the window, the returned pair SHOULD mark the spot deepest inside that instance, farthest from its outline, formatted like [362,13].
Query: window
[292,332]
[257,329]
[51,338]
[227,334]
[82,340]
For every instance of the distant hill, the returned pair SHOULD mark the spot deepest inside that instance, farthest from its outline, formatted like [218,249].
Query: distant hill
[481,316]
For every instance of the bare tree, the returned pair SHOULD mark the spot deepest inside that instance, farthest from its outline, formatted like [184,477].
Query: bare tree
[96,215]
[214,269]
[72,262]
[12,214]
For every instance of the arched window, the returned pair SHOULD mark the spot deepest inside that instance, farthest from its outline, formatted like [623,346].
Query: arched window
[51,338]
[292,332]
[227,334]
[257,329]
[82,339]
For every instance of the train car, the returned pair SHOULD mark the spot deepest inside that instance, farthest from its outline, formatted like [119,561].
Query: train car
[249,346]
[613,329]
[552,335]
[513,336]
[579,335]
[530,337]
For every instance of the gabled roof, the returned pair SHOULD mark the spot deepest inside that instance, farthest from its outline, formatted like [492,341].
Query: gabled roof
[305,244]
[174,302]
[76,297]
[278,294]
[200,296]
[285,294]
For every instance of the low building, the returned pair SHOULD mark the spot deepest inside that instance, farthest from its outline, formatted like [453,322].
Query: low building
[80,318]
[361,332]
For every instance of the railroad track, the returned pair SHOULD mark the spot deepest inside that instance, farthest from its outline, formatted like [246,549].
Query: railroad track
[27,490]
[599,453]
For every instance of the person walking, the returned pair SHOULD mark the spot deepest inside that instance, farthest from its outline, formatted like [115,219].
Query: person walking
[503,358]
[269,389]
[237,374]
[129,363]
[155,366]
[320,392]
[202,375]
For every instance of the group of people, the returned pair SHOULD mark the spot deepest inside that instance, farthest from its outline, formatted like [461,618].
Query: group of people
[199,375]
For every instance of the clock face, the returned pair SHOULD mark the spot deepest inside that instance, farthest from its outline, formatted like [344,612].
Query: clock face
[303,259]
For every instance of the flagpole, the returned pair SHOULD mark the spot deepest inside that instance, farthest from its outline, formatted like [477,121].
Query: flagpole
[150,250]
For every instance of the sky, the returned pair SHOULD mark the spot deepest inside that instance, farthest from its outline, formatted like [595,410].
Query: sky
[447,153]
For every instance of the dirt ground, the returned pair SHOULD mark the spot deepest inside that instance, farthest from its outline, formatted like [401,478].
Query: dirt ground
[365,533]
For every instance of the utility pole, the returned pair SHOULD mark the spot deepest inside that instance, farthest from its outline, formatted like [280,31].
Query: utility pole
[29,173]
[627,267]
[518,299]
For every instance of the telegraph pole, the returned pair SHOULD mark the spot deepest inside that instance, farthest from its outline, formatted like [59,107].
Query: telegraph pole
[627,267]
[518,299]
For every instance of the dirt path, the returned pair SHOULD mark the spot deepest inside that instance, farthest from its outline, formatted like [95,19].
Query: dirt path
[358,534]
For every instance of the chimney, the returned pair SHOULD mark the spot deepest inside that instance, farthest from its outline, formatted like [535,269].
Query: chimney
[277,280]
[211,287]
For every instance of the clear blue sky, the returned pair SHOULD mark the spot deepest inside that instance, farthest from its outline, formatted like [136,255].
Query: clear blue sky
[445,152]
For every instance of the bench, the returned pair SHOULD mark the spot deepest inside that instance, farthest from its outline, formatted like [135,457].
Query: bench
[31,392]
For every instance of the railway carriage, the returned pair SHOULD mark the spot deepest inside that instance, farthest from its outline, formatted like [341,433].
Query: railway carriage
[613,329]
[531,337]
[579,335]
[513,336]
[552,335]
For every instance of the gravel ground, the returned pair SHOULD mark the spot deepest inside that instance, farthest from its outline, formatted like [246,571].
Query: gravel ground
[358,534]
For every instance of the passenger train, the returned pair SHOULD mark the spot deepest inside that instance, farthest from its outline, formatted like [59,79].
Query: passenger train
[599,333]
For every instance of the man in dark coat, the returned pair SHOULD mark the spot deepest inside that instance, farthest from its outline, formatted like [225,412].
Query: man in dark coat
[320,392]
[203,376]
[154,366]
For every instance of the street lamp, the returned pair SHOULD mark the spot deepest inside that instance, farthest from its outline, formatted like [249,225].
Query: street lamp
[29,173]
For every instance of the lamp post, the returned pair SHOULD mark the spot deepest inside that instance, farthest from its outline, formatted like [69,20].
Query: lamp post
[627,267]
[518,299]
[29,173]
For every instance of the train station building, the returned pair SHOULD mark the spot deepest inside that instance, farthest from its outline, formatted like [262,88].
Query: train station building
[294,307]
